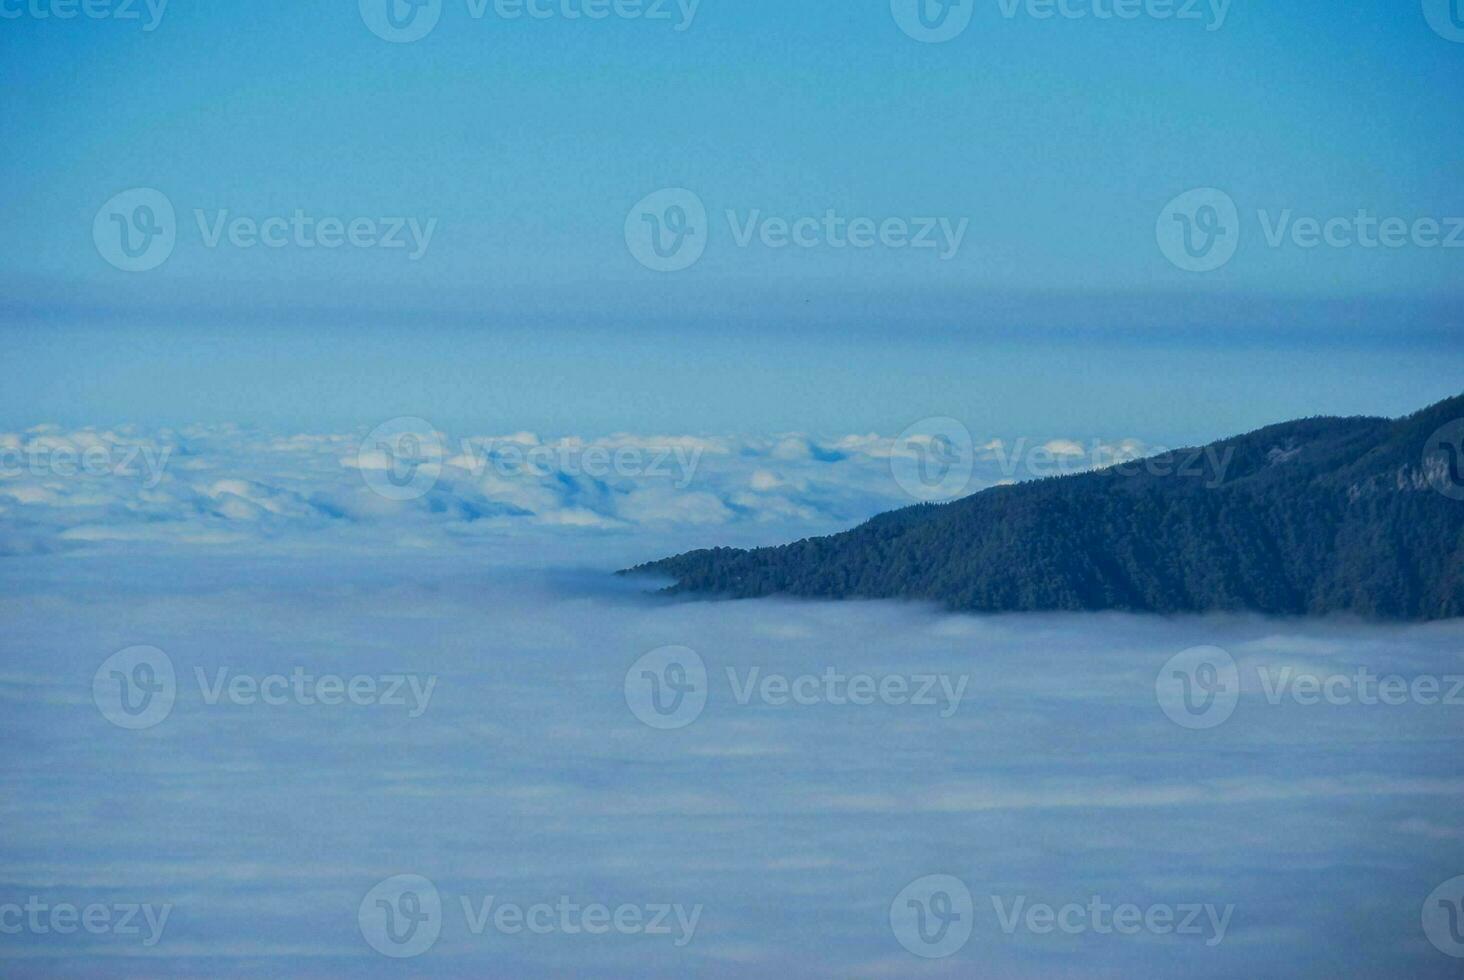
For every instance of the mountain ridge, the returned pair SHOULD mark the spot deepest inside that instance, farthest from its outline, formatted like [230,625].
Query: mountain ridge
[1312,516]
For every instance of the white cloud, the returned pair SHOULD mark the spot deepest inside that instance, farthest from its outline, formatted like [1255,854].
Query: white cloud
[204,484]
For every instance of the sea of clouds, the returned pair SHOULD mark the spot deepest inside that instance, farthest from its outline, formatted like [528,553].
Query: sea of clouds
[233,487]
[782,819]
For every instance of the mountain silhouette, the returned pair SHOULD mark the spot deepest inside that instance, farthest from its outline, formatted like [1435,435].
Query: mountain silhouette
[1316,516]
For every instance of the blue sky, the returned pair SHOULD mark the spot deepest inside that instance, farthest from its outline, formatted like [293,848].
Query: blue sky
[244,524]
[1058,140]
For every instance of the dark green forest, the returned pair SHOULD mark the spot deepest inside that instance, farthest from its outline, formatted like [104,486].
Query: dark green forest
[1315,516]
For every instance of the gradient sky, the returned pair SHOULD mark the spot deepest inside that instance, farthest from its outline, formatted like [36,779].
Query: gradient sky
[529,141]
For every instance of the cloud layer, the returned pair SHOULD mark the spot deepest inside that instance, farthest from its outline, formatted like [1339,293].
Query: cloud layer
[226,486]
[529,776]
